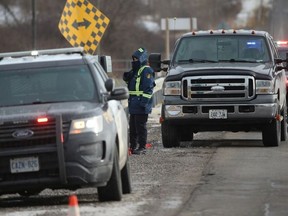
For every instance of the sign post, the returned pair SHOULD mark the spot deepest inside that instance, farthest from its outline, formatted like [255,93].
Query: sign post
[167,40]
[33,25]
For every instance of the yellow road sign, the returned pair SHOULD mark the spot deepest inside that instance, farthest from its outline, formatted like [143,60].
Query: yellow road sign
[82,24]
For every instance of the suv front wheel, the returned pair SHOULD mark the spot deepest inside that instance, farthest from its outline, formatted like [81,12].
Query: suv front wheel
[113,190]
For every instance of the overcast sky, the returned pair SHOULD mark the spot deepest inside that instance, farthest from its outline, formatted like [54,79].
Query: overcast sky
[248,7]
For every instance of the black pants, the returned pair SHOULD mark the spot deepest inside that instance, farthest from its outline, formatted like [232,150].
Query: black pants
[138,130]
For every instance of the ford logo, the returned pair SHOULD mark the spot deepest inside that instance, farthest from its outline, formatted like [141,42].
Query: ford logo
[217,88]
[22,133]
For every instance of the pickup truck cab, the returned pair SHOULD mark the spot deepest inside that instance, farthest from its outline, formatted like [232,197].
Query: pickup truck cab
[223,81]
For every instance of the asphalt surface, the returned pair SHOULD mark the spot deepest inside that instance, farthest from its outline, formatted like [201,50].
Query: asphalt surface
[218,173]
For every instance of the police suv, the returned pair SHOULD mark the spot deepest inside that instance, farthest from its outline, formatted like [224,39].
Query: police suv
[62,124]
[223,80]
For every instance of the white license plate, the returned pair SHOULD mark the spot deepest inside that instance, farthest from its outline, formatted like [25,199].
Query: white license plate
[26,164]
[218,114]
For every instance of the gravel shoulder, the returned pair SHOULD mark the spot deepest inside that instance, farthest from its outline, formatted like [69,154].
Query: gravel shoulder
[166,178]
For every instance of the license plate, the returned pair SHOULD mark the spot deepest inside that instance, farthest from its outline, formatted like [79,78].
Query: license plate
[26,164]
[218,114]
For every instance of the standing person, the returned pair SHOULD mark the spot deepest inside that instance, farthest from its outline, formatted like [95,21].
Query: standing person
[140,81]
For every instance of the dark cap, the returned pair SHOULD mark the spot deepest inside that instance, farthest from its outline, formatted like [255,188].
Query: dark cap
[141,54]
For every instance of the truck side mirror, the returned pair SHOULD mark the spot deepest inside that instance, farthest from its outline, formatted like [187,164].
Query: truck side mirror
[278,61]
[155,61]
[278,68]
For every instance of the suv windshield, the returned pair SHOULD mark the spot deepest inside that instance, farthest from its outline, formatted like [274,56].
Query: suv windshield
[46,85]
[217,48]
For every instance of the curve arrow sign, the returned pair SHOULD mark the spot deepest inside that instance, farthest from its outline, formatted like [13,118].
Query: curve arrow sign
[85,24]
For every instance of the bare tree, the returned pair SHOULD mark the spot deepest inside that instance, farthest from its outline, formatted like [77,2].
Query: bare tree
[125,32]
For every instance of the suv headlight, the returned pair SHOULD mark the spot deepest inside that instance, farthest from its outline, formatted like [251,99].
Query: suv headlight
[93,124]
[172,88]
[264,87]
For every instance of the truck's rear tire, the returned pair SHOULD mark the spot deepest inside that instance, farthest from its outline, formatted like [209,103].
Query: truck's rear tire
[170,135]
[284,123]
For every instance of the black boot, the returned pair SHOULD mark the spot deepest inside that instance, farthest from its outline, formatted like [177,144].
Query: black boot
[131,150]
[139,151]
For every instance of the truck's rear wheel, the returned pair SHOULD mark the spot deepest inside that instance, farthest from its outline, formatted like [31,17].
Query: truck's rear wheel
[170,135]
[284,123]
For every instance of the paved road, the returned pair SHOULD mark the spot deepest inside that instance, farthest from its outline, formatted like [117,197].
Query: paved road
[218,174]
[243,178]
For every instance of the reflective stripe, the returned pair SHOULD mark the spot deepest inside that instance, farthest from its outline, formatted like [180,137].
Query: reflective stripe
[137,93]
[147,95]
[139,77]
[140,93]
[137,84]
[140,50]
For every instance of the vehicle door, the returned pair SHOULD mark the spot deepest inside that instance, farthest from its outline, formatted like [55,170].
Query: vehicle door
[121,120]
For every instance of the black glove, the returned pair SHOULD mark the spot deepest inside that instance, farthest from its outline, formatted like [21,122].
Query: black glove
[127,76]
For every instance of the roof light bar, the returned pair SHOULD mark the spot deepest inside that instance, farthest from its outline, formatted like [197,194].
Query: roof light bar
[72,50]
[282,42]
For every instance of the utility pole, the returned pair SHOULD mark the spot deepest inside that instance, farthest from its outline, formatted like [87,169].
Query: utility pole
[260,11]
[167,39]
[33,25]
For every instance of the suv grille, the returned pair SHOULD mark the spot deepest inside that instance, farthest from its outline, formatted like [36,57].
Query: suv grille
[43,134]
[43,144]
[213,88]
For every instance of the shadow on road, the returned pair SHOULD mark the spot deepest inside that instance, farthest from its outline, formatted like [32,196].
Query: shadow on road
[223,143]
[44,200]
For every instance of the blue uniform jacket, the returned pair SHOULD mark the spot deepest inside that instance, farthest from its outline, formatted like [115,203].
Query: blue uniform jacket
[139,104]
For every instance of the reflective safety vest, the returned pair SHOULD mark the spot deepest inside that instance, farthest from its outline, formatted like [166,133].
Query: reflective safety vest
[137,92]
